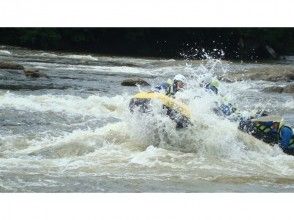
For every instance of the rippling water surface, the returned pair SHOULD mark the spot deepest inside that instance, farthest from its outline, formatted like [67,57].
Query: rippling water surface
[72,132]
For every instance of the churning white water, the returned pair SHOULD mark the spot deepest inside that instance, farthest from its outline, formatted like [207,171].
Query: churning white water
[73,132]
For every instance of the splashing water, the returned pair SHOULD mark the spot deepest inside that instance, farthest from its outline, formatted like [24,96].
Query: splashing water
[82,137]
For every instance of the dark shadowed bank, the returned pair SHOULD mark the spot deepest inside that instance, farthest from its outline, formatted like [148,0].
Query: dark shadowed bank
[235,43]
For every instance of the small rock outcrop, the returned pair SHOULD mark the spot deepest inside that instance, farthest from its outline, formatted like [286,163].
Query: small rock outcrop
[289,88]
[134,82]
[34,73]
[274,73]
[11,66]
[279,89]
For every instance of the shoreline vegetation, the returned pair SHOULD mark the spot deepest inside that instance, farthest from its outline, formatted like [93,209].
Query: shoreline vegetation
[246,44]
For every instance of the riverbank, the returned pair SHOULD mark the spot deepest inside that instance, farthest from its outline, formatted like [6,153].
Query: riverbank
[273,71]
[229,43]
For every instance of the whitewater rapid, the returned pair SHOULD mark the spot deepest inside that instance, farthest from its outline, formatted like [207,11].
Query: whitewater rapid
[73,132]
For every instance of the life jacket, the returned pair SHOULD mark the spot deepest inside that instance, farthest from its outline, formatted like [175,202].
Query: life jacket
[262,128]
[291,143]
[265,133]
[170,91]
[271,137]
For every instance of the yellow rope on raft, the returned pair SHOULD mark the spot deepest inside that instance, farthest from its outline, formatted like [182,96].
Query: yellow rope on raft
[167,101]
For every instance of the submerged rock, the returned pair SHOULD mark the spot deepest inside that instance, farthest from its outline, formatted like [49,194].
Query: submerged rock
[279,89]
[15,68]
[273,73]
[134,82]
[11,66]
[289,88]
[34,73]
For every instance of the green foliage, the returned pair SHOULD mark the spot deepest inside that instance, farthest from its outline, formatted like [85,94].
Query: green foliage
[162,42]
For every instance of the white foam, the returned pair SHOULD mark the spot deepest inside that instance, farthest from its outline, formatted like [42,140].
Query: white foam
[143,158]
[69,56]
[213,149]
[289,104]
[93,68]
[93,105]
[106,69]
[80,57]
[5,52]
[47,55]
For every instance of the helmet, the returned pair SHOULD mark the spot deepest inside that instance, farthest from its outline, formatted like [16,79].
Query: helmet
[180,77]
[215,83]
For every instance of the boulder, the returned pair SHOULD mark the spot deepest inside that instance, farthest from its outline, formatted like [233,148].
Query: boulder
[289,88]
[272,73]
[11,66]
[290,76]
[34,73]
[271,51]
[134,82]
[277,89]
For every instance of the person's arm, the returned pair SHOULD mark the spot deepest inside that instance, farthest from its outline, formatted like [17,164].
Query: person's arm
[161,87]
[285,137]
[157,88]
[246,125]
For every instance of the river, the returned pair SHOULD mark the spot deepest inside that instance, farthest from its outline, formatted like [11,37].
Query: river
[73,132]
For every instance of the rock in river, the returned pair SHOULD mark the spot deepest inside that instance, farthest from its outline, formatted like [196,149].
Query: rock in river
[279,89]
[289,88]
[272,73]
[134,82]
[34,73]
[11,66]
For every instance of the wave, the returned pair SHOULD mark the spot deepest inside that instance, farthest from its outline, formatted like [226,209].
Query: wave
[94,105]
[80,57]
[108,70]
[198,152]
[47,55]
[145,147]
[68,56]
[94,68]
[5,52]
[289,104]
